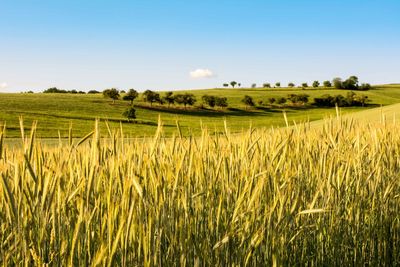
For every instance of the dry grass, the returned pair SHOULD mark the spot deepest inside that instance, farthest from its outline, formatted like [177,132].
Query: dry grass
[298,196]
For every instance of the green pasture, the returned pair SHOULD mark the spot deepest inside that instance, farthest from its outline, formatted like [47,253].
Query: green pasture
[55,113]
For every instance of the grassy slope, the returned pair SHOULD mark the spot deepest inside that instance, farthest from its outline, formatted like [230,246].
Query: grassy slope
[55,112]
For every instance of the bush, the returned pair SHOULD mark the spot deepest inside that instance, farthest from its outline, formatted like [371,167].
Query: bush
[350,100]
[281,100]
[365,87]
[248,101]
[221,102]
[55,90]
[271,100]
[298,99]
[209,100]
[130,114]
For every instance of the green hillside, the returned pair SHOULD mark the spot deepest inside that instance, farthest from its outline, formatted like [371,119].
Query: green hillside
[56,112]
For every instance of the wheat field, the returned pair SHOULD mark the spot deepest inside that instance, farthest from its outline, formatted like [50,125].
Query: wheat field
[321,196]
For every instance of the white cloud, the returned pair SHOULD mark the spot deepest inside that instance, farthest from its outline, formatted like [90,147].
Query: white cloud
[201,73]
[3,85]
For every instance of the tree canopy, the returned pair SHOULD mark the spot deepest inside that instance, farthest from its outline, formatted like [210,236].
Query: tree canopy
[248,101]
[185,99]
[111,93]
[131,95]
[151,97]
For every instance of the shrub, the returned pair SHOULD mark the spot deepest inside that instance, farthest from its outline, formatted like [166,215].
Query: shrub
[130,114]
[281,100]
[248,101]
[209,100]
[271,100]
[221,102]
[298,99]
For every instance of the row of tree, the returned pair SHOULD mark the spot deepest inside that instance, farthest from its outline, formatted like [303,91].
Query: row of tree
[352,83]
[169,98]
[55,90]
[213,101]
[232,83]
[352,99]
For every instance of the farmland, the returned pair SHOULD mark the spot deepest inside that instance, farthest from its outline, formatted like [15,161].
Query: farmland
[261,197]
[222,193]
[55,113]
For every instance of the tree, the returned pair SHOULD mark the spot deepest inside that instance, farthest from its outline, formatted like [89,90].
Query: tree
[151,97]
[221,102]
[248,101]
[225,85]
[315,84]
[267,85]
[56,90]
[361,100]
[351,83]
[169,98]
[111,93]
[131,95]
[327,84]
[337,83]
[93,92]
[338,100]
[300,98]
[278,84]
[130,113]
[254,85]
[271,100]
[365,86]
[233,83]
[239,84]
[304,85]
[209,100]
[291,85]
[281,100]
[185,99]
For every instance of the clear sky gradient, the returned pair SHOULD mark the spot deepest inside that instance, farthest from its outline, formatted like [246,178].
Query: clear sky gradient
[154,44]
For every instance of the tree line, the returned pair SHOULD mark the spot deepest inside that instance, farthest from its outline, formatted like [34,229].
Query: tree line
[351,83]
[350,100]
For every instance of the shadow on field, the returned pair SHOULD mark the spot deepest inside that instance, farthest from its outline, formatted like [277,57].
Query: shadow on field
[204,112]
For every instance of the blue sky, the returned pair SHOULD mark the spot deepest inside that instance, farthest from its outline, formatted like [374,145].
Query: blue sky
[156,44]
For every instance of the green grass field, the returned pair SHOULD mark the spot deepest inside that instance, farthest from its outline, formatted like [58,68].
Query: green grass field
[56,112]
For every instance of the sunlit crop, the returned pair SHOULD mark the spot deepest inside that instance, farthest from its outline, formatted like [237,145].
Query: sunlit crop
[295,196]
